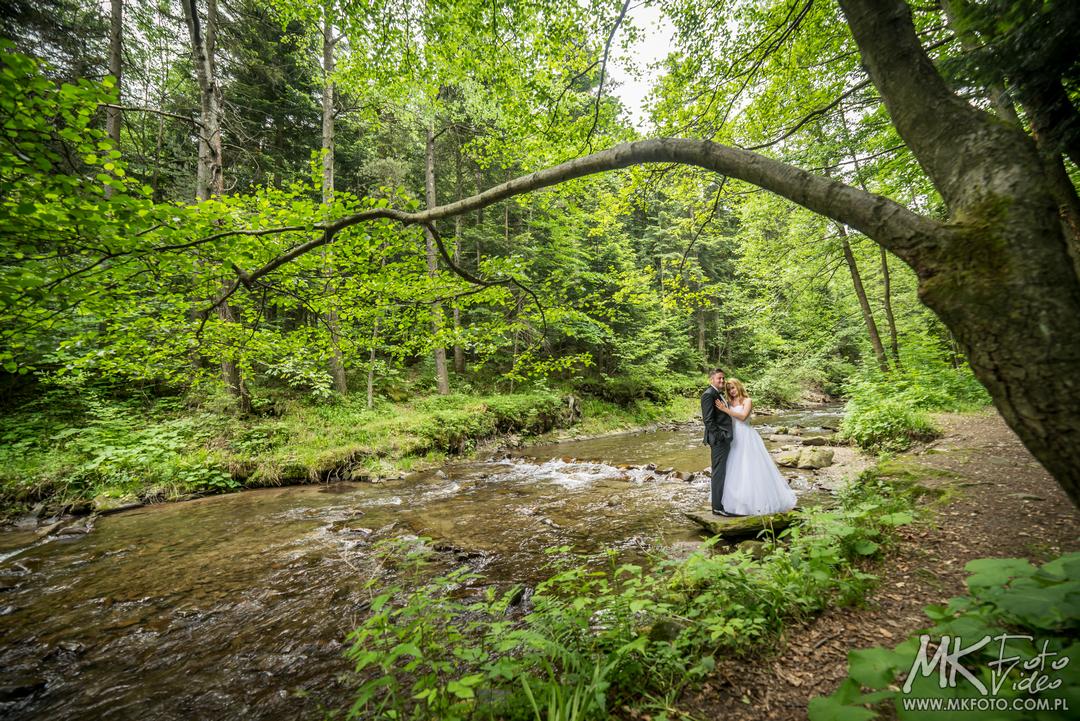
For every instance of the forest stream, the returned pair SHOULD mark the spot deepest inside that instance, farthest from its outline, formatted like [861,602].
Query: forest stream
[238,605]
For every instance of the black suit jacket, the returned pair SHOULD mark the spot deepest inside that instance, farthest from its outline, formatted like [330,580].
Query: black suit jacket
[717,423]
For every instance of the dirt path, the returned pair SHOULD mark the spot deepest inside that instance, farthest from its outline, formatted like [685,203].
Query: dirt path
[998,502]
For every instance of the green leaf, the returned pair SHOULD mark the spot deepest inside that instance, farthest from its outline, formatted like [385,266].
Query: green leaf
[866,548]
[874,667]
[996,571]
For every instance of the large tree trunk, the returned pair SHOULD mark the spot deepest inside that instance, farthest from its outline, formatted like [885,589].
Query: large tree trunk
[1002,280]
[441,374]
[337,362]
[209,179]
[864,303]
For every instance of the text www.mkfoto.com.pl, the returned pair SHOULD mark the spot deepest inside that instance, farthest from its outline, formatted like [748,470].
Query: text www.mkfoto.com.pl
[985,704]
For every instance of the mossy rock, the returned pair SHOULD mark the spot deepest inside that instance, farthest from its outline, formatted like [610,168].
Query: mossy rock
[738,527]
[112,504]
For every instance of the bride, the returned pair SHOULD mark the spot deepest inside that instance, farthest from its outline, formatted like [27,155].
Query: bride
[754,486]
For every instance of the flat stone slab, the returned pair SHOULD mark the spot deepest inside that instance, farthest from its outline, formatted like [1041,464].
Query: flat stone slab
[739,527]
[736,527]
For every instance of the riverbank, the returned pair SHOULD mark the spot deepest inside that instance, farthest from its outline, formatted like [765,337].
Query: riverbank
[987,497]
[94,454]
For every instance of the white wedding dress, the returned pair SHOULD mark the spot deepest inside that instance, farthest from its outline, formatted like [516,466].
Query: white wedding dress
[753,485]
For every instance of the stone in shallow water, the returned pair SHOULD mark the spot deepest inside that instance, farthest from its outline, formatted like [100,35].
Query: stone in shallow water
[741,526]
[811,458]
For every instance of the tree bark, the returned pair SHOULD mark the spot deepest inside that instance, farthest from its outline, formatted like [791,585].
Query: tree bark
[337,361]
[441,375]
[894,344]
[864,303]
[116,60]
[1003,282]
[459,352]
[209,178]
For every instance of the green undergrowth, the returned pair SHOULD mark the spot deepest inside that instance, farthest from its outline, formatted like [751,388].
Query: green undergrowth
[1015,634]
[889,411]
[68,449]
[600,416]
[597,637]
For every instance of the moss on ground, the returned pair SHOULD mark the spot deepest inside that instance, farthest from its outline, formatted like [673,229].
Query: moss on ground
[93,448]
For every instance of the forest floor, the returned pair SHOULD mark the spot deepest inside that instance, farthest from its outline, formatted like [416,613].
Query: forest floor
[992,499]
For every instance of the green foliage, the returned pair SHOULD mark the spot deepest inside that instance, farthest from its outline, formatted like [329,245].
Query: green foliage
[633,388]
[888,411]
[596,638]
[1031,615]
[80,440]
[885,424]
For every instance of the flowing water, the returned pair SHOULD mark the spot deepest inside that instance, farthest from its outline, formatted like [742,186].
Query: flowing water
[237,606]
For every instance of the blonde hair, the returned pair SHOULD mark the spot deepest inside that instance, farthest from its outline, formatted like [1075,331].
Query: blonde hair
[739,388]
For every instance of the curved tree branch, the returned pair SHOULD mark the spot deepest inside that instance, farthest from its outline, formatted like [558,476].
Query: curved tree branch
[888,223]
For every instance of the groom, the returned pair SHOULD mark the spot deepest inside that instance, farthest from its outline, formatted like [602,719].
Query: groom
[718,434]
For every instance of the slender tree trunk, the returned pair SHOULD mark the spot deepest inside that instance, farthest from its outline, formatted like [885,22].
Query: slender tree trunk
[441,374]
[479,218]
[459,352]
[894,344]
[337,362]
[116,41]
[864,303]
[701,332]
[209,178]
[371,365]
[850,259]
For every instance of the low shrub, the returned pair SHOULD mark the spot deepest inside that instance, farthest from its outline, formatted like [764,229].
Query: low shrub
[888,411]
[886,424]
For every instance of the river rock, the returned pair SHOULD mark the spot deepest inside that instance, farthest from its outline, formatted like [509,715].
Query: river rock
[789,459]
[754,548]
[817,441]
[815,458]
[807,458]
[741,526]
[80,528]
[111,504]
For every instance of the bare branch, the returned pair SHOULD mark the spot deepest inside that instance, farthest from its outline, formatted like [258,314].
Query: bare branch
[603,73]
[131,108]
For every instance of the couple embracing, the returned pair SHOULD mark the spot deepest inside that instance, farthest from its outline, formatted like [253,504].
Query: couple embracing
[745,481]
